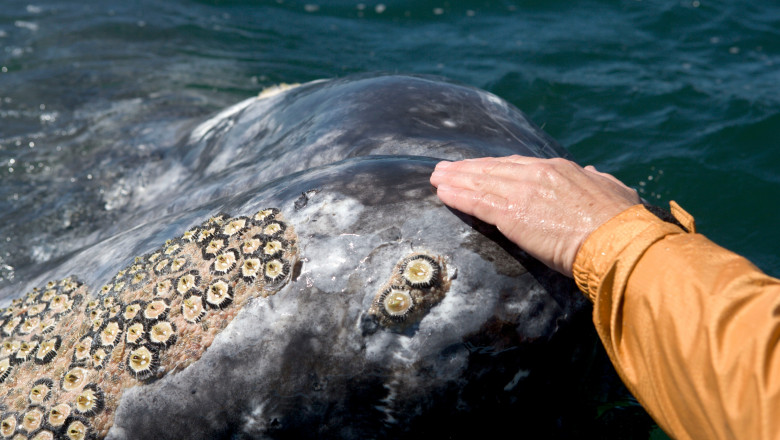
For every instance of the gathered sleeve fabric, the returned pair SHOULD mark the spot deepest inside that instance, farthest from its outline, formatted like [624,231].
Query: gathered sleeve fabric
[691,328]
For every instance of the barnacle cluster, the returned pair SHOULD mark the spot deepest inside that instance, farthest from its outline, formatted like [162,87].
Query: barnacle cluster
[418,282]
[67,355]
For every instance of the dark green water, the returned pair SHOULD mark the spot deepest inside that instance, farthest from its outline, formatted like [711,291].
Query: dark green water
[678,99]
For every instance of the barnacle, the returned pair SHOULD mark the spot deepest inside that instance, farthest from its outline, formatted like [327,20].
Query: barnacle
[132,309]
[32,419]
[163,288]
[99,355]
[272,248]
[74,379]
[142,361]
[162,333]
[161,267]
[273,229]
[251,245]
[58,414]
[90,401]
[396,303]
[26,350]
[192,308]
[178,264]
[8,425]
[212,249]
[187,282]
[29,325]
[420,271]
[234,226]
[264,215]
[135,333]
[275,270]
[42,434]
[77,428]
[47,350]
[156,309]
[225,262]
[81,350]
[111,332]
[9,347]
[250,269]
[219,294]
[41,391]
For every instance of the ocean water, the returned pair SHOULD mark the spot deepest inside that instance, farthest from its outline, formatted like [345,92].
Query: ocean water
[678,99]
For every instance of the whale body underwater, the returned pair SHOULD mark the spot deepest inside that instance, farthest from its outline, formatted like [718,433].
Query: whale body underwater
[295,276]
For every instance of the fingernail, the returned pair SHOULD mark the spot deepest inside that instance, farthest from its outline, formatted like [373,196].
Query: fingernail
[443,165]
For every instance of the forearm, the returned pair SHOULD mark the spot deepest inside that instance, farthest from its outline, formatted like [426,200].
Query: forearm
[691,327]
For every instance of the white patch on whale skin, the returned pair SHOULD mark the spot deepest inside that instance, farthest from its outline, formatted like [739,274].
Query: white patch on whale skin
[521,374]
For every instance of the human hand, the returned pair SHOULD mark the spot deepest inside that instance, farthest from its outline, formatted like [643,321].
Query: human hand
[548,207]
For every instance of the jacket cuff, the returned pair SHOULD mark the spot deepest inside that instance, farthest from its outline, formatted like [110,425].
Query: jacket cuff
[623,239]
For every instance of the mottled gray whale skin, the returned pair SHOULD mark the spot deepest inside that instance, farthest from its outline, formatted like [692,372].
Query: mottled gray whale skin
[347,162]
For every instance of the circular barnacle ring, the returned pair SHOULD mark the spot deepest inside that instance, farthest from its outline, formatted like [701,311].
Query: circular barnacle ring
[58,415]
[77,428]
[218,294]
[134,335]
[188,282]
[81,350]
[162,288]
[26,350]
[172,249]
[133,309]
[6,367]
[162,266]
[47,350]
[214,246]
[275,270]
[217,220]
[162,334]
[99,355]
[192,308]
[273,229]
[224,262]
[189,235]
[396,303]
[142,361]
[420,271]
[137,279]
[41,391]
[48,294]
[8,425]
[10,325]
[28,325]
[152,257]
[9,347]
[90,401]
[265,215]
[32,419]
[205,234]
[234,226]
[179,263]
[250,269]
[273,248]
[156,309]
[251,246]
[74,378]
[48,324]
[37,309]
[111,332]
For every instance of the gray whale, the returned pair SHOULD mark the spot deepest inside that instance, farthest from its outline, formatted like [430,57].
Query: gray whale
[380,314]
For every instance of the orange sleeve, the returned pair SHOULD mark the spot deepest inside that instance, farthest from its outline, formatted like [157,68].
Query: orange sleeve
[691,328]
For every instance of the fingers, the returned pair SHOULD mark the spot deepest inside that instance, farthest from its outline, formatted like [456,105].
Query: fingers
[485,206]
